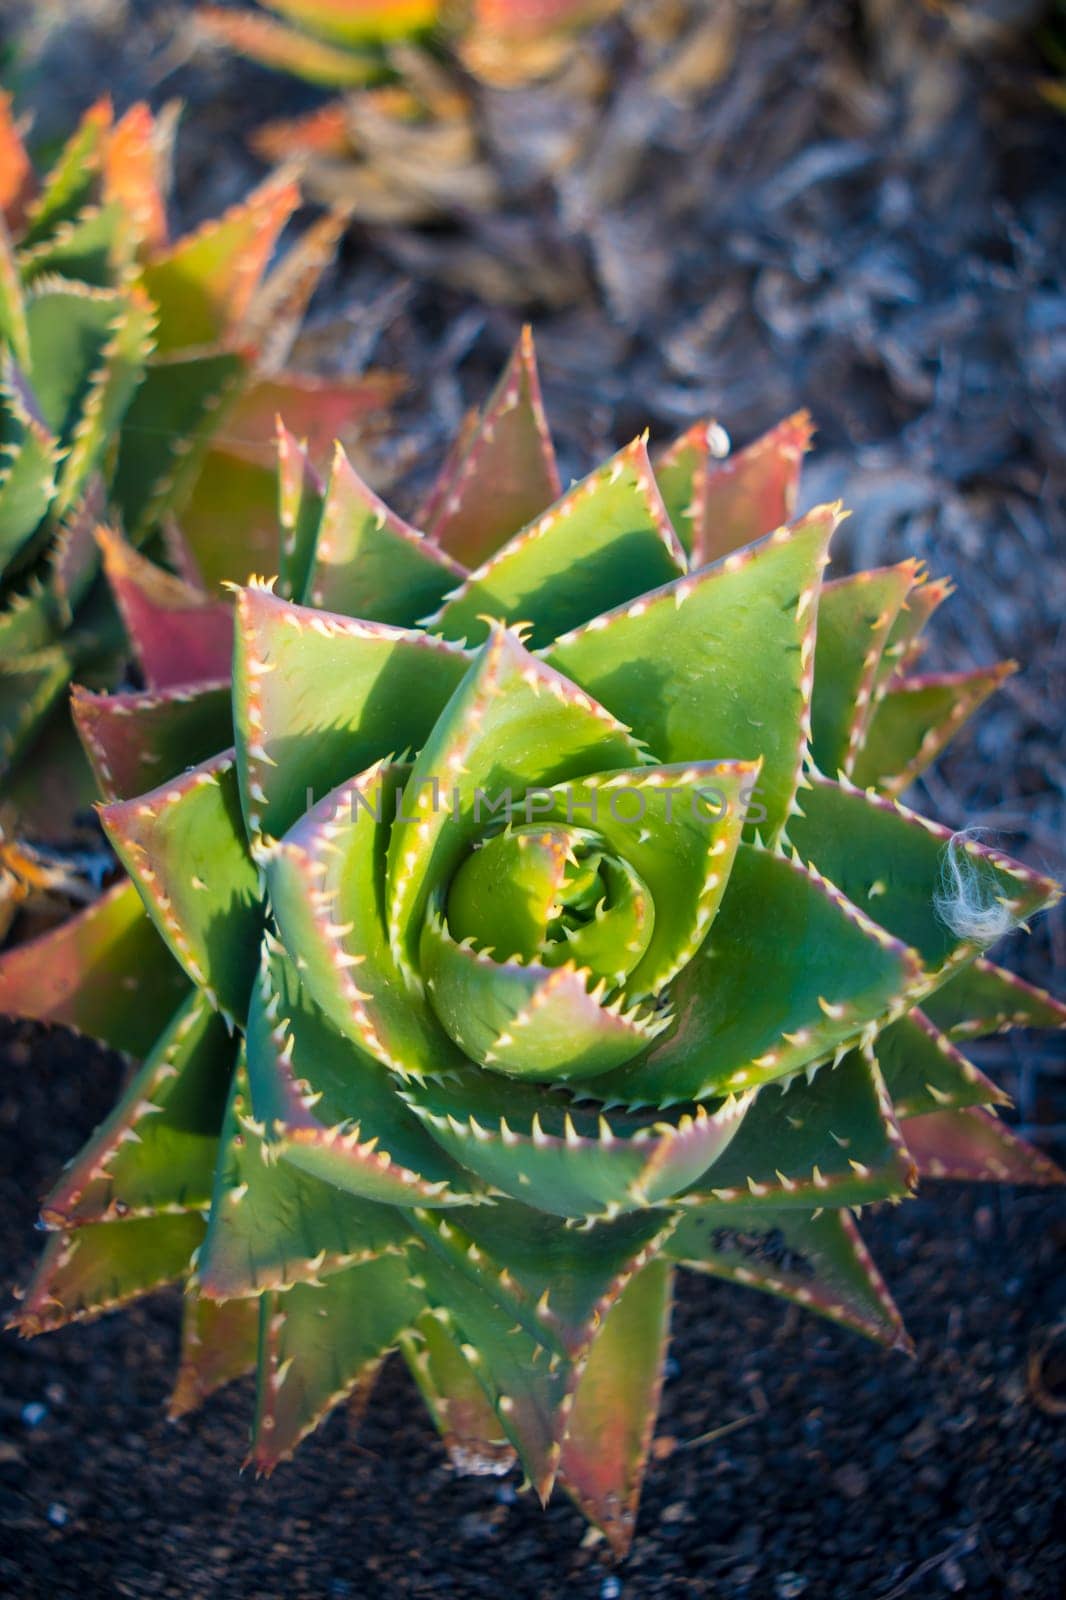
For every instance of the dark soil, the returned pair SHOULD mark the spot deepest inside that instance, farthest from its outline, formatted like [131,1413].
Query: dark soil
[866,218]
[851,1475]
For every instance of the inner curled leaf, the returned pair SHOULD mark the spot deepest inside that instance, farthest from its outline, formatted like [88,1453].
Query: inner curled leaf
[526,952]
[553,894]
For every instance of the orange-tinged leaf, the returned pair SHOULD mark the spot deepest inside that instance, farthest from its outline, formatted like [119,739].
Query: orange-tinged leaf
[318,411]
[131,175]
[354,22]
[719,506]
[973,1145]
[525,19]
[507,474]
[218,1343]
[16,174]
[274,45]
[104,973]
[615,1406]
[204,284]
[179,634]
[322,132]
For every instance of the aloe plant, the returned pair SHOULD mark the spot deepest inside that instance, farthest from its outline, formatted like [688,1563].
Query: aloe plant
[410,136]
[534,914]
[139,378]
[341,44]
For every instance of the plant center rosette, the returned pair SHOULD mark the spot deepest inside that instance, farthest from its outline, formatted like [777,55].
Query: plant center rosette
[508,964]
[549,920]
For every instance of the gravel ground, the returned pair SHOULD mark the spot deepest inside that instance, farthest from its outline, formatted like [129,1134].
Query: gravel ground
[848,1474]
[864,218]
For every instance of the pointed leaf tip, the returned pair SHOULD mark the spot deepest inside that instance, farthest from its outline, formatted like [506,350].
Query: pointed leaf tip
[179,635]
[504,475]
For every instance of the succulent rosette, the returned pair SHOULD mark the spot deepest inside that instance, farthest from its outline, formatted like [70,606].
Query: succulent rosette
[519,947]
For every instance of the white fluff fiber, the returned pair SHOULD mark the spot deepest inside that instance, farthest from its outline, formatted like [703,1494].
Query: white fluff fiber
[966,898]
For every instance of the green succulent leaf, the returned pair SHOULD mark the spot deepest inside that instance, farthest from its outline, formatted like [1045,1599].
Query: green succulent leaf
[229,518]
[95,247]
[166,431]
[678,827]
[816,1260]
[317,1342]
[719,663]
[219,1342]
[299,512]
[459,1406]
[527,1018]
[854,618]
[156,1151]
[606,542]
[273,1226]
[513,723]
[204,284]
[521,974]
[73,560]
[905,643]
[30,687]
[983,998]
[526,1387]
[915,719]
[138,740]
[319,697]
[105,402]
[68,185]
[102,973]
[924,1071]
[331,1109]
[13,328]
[908,874]
[367,562]
[327,890]
[29,457]
[829,1138]
[540,892]
[184,847]
[568,1157]
[615,1405]
[823,971]
[105,1265]
[559,1281]
[70,328]
[27,624]
[681,473]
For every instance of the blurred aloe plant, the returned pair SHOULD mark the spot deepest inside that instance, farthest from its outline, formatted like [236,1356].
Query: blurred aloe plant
[346,43]
[139,379]
[479,115]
